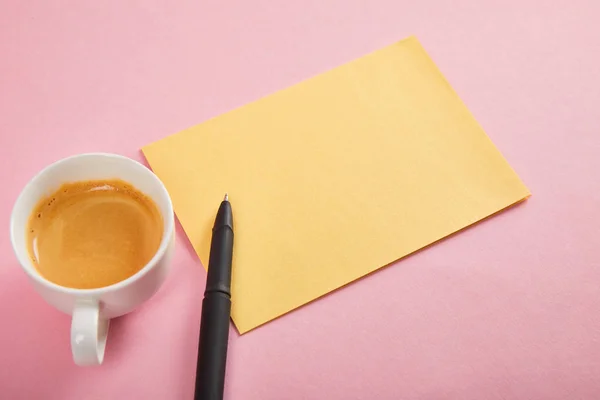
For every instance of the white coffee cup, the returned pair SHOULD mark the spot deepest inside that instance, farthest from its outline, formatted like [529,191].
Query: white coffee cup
[91,309]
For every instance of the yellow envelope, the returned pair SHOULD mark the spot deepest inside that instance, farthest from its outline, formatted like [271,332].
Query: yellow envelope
[334,178]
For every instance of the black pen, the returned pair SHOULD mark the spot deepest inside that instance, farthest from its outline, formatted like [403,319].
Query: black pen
[216,309]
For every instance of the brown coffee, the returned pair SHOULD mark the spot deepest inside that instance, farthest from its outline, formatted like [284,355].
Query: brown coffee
[92,234]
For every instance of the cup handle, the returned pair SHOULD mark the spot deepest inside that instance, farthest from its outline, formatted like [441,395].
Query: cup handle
[88,333]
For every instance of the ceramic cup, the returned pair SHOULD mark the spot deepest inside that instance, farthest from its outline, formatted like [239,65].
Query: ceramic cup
[91,309]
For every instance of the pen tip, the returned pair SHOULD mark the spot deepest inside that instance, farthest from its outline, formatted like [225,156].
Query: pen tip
[226,198]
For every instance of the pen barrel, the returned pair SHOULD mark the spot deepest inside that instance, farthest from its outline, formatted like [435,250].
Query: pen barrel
[212,350]
[218,278]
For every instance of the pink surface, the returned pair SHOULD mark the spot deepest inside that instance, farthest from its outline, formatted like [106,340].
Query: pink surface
[505,310]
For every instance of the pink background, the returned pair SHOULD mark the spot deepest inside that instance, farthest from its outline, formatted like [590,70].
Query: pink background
[508,309]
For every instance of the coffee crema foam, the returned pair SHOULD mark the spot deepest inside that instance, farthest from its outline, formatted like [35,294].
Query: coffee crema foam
[92,234]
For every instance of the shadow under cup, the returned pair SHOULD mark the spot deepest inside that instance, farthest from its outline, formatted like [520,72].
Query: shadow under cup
[91,308]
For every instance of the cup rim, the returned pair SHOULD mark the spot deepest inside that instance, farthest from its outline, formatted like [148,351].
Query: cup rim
[168,232]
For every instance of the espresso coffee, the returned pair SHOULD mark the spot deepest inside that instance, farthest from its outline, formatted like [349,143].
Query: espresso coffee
[92,234]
